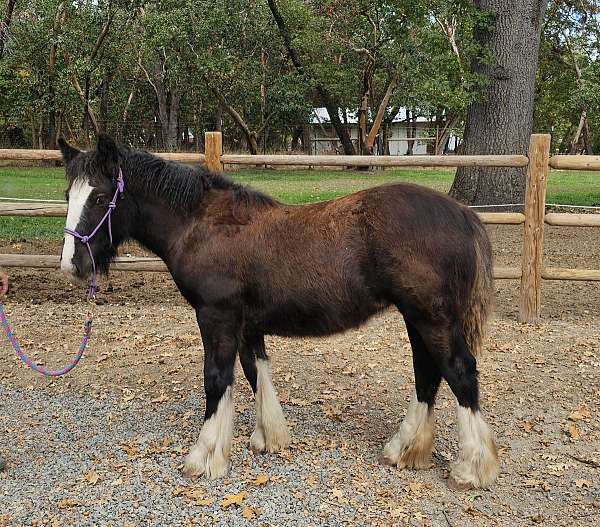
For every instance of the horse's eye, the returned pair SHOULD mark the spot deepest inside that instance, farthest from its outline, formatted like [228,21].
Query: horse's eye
[101,200]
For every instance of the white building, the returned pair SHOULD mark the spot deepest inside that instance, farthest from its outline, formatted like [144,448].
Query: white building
[396,135]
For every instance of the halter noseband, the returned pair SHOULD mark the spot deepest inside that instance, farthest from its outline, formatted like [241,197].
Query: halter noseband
[85,239]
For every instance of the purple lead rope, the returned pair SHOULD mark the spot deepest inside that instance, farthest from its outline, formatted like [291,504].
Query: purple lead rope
[91,294]
[87,329]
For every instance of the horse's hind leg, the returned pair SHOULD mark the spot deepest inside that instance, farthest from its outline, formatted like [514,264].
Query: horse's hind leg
[271,432]
[411,446]
[477,465]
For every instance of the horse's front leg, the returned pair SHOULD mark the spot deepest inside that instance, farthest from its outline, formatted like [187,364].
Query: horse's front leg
[221,335]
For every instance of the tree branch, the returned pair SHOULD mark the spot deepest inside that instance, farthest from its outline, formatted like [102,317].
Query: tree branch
[101,37]
[5,24]
[147,75]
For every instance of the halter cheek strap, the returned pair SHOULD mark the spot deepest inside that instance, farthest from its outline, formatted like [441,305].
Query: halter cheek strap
[85,239]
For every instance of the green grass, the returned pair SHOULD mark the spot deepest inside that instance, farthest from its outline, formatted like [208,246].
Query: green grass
[289,186]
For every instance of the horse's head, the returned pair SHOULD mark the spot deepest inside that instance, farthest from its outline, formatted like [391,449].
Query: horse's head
[92,185]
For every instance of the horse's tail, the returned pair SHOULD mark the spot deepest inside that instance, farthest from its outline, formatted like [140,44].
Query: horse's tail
[480,300]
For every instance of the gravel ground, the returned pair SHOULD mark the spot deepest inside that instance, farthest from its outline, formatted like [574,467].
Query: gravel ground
[105,445]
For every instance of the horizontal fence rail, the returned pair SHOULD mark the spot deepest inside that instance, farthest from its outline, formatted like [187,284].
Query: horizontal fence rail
[55,155]
[538,162]
[377,161]
[59,209]
[46,261]
[572,220]
[561,273]
[575,162]
[135,263]
[25,208]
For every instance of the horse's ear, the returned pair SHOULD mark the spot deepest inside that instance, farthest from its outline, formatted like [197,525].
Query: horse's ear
[68,151]
[108,153]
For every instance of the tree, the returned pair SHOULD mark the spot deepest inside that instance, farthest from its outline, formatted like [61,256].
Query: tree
[500,121]
[240,60]
[568,91]
[325,96]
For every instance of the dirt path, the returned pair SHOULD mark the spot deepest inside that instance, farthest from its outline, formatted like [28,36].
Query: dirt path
[111,436]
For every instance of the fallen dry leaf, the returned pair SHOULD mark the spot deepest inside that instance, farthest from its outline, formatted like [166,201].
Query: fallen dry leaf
[248,513]
[573,432]
[261,480]
[580,483]
[191,493]
[91,477]
[578,415]
[415,487]
[67,503]
[336,493]
[233,499]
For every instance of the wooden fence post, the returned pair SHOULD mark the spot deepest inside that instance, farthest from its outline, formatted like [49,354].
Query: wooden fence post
[213,149]
[533,235]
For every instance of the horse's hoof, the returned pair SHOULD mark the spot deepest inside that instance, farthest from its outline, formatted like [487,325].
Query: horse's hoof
[407,461]
[213,465]
[275,440]
[409,452]
[476,475]
[257,441]
[387,461]
[459,485]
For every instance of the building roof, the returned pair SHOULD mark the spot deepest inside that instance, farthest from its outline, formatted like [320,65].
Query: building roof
[320,115]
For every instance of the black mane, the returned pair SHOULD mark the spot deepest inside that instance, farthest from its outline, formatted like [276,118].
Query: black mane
[181,186]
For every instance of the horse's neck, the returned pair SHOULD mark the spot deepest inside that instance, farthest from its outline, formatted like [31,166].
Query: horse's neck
[156,227]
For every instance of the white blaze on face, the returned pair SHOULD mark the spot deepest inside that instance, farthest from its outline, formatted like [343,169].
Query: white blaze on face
[78,196]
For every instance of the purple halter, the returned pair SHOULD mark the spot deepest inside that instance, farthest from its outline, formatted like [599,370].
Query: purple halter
[85,239]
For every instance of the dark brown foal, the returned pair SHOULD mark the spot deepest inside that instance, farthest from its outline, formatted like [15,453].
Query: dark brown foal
[251,267]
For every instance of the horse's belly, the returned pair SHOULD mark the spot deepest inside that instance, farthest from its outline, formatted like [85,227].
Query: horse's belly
[316,317]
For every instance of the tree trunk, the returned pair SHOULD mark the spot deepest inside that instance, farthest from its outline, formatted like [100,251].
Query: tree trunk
[410,132]
[59,21]
[34,138]
[168,108]
[219,119]
[576,137]
[103,110]
[237,119]
[5,24]
[583,127]
[363,146]
[500,121]
[444,134]
[296,137]
[386,139]
[172,135]
[381,111]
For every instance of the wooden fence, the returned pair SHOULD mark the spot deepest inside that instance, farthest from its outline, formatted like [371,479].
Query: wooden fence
[538,162]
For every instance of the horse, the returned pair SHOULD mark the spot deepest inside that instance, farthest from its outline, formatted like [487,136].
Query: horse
[251,266]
